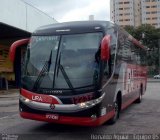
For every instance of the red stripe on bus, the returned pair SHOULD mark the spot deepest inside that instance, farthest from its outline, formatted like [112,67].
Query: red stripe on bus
[82,121]
[127,103]
[39,97]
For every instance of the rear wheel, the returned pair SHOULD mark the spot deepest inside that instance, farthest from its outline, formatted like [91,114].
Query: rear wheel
[139,100]
[117,112]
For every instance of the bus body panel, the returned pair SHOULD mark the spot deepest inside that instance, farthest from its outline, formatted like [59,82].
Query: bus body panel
[88,117]
[125,77]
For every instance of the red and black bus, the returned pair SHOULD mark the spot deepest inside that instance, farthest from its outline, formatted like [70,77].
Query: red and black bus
[81,73]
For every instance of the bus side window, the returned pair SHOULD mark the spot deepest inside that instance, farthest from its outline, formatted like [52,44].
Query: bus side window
[142,54]
[124,52]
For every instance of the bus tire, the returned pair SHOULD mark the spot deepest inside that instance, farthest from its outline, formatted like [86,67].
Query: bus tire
[139,100]
[117,112]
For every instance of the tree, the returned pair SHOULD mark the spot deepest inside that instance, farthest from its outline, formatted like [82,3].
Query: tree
[131,30]
[149,36]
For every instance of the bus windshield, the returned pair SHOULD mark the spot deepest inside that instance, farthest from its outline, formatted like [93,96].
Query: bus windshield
[62,62]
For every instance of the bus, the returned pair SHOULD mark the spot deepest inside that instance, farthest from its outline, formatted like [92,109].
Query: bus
[80,73]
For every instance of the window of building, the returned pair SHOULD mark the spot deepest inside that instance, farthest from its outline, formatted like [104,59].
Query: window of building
[147,6]
[155,24]
[154,12]
[127,14]
[120,8]
[147,0]
[154,18]
[127,19]
[147,18]
[126,2]
[147,12]
[154,6]
[126,8]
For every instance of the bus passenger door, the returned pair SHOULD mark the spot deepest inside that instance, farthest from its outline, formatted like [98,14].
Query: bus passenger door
[128,80]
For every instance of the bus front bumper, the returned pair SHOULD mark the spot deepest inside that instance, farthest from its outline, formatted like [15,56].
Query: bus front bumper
[54,118]
[49,108]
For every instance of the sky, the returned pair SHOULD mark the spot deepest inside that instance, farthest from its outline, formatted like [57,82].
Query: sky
[73,10]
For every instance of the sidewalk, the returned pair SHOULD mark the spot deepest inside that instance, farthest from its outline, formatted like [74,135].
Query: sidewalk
[9,93]
[153,80]
[9,97]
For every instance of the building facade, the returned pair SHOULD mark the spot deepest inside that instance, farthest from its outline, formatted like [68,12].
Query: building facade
[135,12]
[151,12]
[126,12]
[17,20]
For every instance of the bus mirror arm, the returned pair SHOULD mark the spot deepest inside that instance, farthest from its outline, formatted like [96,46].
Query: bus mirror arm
[105,48]
[14,46]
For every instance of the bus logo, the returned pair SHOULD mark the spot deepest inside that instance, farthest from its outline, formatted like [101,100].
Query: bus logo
[37,98]
[52,106]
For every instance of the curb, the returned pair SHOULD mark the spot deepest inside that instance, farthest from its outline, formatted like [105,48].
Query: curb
[153,81]
[9,92]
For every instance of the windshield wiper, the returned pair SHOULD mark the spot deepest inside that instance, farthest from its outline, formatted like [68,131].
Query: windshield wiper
[45,69]
[64,74]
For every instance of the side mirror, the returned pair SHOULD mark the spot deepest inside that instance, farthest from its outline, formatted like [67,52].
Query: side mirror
[14,46]
[105,48]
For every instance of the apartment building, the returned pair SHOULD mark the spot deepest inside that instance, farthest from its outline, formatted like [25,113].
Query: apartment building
[126,12]
[151,12]
[135,12]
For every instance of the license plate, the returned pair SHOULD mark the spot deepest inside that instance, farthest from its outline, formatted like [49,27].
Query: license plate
[52,116]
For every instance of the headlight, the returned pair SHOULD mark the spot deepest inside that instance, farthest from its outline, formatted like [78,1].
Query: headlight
[91,103]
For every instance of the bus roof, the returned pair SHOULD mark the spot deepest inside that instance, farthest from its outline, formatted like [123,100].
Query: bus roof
[73,27]
[81,27]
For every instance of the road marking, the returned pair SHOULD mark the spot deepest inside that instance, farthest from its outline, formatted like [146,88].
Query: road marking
[9,116]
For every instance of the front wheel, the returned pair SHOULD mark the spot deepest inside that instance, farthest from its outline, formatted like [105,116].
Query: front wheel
[117,112]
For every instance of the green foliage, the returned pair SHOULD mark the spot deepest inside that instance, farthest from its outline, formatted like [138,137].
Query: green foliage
[149,36]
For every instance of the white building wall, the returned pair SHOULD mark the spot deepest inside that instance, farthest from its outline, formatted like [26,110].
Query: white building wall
[21,15]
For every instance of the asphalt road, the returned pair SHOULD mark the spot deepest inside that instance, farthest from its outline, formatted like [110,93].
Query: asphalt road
[138,121]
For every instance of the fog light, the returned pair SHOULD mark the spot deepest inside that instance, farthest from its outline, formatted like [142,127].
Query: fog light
[21,110]
[94,116]
[27,100]
[82,105]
